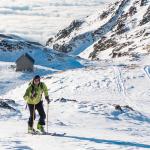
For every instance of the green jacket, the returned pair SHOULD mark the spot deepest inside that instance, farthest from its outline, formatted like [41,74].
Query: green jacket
[33,94]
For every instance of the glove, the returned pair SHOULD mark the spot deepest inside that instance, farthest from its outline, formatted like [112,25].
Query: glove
[47,99]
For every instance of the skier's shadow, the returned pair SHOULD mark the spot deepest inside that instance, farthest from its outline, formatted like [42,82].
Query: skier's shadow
[111,142]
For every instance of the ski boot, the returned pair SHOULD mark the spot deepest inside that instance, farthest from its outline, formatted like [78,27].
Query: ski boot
[40,128]
[31,130]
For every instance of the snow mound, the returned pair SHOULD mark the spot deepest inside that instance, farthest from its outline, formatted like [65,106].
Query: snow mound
[8,109]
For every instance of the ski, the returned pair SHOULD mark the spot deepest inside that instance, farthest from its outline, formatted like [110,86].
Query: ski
[34,132]
[47,133]
[54,134]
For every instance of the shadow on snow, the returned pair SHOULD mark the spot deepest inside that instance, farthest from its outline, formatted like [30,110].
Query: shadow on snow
[111,142]
[18,145]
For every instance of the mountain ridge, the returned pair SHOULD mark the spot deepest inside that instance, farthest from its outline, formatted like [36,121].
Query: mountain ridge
[124,20]
[13,46]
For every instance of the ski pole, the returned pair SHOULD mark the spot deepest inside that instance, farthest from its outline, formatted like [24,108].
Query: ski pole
[47,116]
[33,116]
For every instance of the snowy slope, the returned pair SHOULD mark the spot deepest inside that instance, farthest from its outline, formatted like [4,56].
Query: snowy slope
[47,61]
[12,47]
[122,29]
[103,106]
[100,105]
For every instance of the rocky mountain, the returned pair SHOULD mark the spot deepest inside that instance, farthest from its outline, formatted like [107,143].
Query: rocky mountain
[123,29]
[12,47]
[13,42]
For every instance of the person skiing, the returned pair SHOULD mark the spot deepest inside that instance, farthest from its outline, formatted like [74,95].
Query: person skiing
[33,98]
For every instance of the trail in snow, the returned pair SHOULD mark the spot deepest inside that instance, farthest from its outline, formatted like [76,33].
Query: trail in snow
[121,86]
[147,71]
[123,91]
[119,81]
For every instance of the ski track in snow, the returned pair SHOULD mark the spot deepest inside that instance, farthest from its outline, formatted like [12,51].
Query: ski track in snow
[147,71]
[122,89]
[119,81]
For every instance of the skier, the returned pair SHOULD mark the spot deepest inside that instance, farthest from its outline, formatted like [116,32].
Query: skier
[33,98]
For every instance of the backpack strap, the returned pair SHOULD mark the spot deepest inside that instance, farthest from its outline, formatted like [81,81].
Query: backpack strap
[33,89]
[41,85]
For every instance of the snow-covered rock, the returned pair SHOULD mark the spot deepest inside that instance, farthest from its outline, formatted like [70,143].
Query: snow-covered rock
[8,109]
[12,47]
[120,30]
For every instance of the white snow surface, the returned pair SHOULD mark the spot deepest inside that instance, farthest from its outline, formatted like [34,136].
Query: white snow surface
[84,94]
[89,117]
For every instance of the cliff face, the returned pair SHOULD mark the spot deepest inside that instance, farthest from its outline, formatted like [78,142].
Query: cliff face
[121,30]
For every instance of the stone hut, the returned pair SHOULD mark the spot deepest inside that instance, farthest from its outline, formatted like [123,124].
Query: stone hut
[25,63]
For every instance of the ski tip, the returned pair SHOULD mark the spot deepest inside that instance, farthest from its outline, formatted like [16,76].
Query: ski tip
[57,134]
[48,133]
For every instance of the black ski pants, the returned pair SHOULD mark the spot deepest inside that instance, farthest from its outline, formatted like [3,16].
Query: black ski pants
[39,107]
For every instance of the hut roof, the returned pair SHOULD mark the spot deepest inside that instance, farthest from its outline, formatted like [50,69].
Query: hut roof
[27,56]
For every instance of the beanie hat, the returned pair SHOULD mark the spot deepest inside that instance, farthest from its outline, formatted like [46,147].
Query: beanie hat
[36,77]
